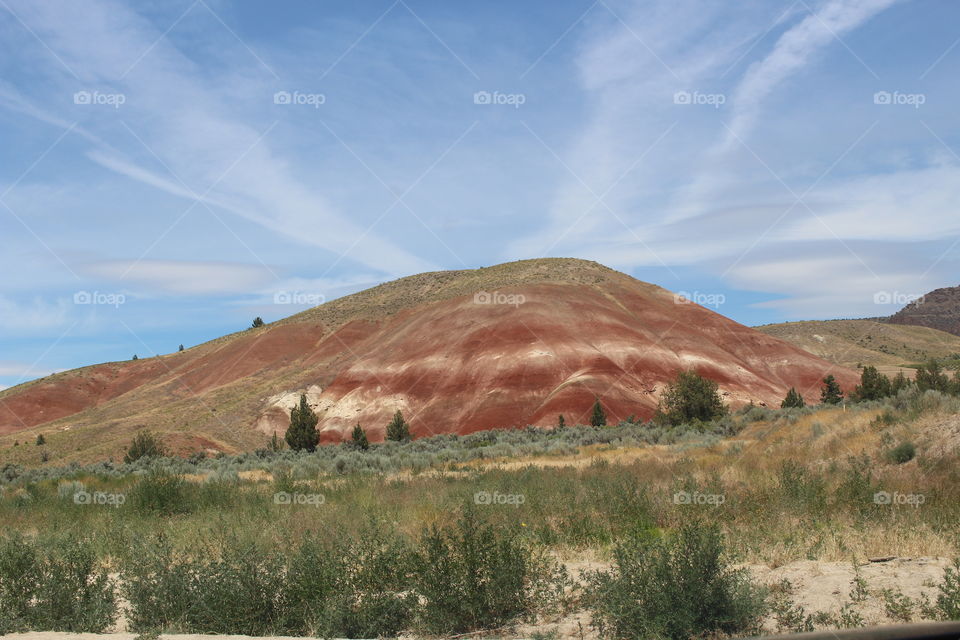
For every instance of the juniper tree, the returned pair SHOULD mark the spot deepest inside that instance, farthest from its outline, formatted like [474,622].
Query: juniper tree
[599,417]
[302,435]
[831,393]
[257,322]
[398,429]
[792,400]
[561,422]
[359,437]
[873,385]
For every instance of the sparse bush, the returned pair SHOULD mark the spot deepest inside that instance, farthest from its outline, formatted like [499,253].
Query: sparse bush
[678,587]
[144,445]
[472,576]
[53,586]
[903,452]
[160,492]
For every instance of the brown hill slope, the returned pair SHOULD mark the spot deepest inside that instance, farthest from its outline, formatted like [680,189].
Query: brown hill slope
[867,342]
[939,309]
[457,351]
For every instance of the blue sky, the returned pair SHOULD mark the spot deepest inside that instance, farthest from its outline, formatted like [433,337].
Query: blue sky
[169,170]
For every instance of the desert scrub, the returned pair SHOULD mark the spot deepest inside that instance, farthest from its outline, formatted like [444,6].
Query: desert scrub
[355,589]
[53,585]
[471,576]
[680,586]
[160,492]
[226,587]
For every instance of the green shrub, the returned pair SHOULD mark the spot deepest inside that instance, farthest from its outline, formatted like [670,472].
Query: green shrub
[160,492]
[903,452]
[53,586]
[302,434]
[690,398]
[947,606]
[359,589]
[472,576]
[158,586]
[678,587]
[144,445]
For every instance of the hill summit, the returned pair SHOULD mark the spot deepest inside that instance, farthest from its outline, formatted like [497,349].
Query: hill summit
[456,351]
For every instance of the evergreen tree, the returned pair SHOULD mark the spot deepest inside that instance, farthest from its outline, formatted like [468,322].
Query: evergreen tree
[41,440]
[873,385]
[900,382]
[181,348]
[359,437]
[690,398]
[561,422]
[135,357]
[398,430]
[257,322]
[792,400]
[599,417]
[931,377]
[302,435]
[831,393]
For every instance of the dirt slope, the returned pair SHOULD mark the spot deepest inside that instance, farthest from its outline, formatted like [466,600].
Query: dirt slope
[457,351]
[867,342]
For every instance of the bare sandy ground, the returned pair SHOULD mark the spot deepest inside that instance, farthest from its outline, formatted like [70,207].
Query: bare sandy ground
[818,587]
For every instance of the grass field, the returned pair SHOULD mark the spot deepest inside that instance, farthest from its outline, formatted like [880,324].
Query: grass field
[781,486]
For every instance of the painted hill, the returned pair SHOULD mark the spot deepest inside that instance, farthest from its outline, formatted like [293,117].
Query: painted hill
[868,342]
[457,351]
[939,309]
